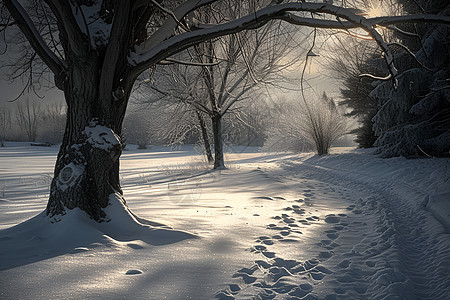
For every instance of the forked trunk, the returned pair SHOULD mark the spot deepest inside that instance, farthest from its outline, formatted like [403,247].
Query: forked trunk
[218,141]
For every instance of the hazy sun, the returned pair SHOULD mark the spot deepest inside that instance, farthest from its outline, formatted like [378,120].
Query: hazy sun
[375,10]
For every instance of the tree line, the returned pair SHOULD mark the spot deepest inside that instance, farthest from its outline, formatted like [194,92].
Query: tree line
[31,121]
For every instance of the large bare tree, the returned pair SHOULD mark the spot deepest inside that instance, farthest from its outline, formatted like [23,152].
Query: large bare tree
[97,48]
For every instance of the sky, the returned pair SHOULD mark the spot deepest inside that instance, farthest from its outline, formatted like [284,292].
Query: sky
[9,92]
[315,75]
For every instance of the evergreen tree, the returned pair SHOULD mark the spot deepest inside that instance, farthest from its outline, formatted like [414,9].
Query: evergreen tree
[414,119]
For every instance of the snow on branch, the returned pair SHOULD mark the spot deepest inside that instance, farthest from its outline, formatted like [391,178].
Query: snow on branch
[169,26]
[388,21]
[170,61]
[389,77]
[27,26]
[156,49]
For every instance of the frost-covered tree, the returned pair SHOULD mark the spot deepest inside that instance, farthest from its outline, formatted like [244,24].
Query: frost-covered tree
[96,49]
[137,129]
[172,88]
[305,125]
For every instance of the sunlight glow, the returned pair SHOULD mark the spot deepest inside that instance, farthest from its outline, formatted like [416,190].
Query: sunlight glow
[375,10]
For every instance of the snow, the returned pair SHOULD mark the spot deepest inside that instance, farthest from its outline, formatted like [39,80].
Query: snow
[349,225]
[101,137]
[91,23]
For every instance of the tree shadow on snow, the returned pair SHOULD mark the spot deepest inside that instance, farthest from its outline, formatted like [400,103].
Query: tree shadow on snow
[42,238]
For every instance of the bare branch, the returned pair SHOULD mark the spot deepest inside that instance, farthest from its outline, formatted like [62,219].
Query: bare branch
[167,29]
[26,25]
[169,61]
[411,54]
[395,28]
[68,24]
[170,13]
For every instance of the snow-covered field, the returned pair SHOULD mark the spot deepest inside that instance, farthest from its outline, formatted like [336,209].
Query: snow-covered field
[272,226]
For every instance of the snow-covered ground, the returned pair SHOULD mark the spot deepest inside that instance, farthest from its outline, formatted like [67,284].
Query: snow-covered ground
[345,226]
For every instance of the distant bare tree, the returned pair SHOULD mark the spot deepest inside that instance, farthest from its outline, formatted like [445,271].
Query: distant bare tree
[137,129]
[53,117]
[326,124]
[5,124]
[27,116]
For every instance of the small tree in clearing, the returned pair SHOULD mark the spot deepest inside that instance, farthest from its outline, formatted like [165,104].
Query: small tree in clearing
[325,124]
[303,126]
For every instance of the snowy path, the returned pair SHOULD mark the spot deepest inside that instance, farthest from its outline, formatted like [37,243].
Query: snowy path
[273,226]
[379,248]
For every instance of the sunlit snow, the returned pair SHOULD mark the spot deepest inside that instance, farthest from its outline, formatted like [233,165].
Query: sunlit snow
[345,226]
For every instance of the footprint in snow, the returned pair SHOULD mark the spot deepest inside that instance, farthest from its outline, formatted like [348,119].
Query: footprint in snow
[274,277]
[324,255]
[264,198]
[344,264]
[332,218]
[332,235]
[133,272]
[351,207]
[245,277]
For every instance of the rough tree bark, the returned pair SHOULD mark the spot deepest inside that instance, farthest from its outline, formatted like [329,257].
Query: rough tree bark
[205,137]
[87,167]
[219,161]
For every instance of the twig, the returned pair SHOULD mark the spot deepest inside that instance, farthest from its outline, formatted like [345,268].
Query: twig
[426,154]
[171,13]
[410,53]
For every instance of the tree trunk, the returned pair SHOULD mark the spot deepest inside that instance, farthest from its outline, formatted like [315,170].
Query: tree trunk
[87,167]
[218,141]
[205,137]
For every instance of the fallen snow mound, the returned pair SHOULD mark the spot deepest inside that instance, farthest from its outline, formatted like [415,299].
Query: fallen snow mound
[41,237]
